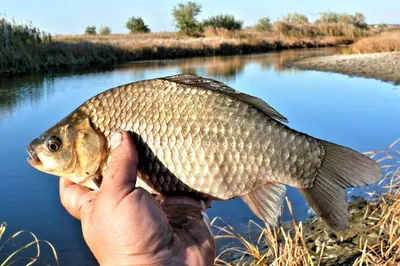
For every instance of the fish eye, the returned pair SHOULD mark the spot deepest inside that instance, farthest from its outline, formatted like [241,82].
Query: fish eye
[53,143]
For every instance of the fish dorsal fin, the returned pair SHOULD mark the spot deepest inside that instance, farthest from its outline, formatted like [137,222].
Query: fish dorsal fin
[266,202]
[210,84]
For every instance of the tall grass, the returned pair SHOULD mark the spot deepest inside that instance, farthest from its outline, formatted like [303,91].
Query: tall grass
[372,239]
[18,254]
[320,30]
[14,35]
[385,42]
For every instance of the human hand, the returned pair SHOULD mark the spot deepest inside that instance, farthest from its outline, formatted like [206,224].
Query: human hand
[125,225]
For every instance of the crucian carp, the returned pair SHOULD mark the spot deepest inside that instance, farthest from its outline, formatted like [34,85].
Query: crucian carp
[198,137]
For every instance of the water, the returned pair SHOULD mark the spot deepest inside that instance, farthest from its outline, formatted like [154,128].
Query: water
[360,113]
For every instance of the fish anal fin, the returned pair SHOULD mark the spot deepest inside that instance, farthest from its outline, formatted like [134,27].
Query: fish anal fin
[266,202]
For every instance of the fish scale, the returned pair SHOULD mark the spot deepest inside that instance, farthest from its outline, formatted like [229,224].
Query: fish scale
[217,146]
[199,137]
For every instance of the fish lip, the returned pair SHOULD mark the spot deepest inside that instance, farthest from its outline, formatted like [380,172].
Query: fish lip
[33,157]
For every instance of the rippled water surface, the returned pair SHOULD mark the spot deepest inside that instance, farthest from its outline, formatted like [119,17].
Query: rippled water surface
[360,113]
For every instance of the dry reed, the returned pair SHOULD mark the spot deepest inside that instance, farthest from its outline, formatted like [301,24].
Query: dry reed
[17,256]
[385,42]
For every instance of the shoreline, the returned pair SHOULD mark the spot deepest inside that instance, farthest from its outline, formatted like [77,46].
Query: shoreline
[78,54]
[380,66]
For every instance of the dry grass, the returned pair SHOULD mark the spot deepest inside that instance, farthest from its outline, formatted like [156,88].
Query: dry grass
[320,30]
[385,42]
[378,242]
[83,51]
[18,254]
[286,247]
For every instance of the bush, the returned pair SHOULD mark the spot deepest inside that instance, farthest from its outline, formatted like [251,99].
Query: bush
[295,18]
[90,30]
[358,19]
[105,30]
[223,21]
[185,16]
[136,25]
[263,24]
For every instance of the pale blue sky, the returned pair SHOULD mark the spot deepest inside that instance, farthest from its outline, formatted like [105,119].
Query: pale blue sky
[72,16]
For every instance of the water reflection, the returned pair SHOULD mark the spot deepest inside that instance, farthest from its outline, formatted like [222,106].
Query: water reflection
[229,67]
[17,92]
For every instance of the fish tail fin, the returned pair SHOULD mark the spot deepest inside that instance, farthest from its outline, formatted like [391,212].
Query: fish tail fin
[341,168]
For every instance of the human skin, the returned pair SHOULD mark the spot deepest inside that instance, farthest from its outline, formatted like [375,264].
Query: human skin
[125,225]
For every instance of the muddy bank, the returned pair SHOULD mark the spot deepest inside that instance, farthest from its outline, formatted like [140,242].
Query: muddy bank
[382,66]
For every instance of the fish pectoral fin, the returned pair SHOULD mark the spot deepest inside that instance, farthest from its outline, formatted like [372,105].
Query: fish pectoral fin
[266,202]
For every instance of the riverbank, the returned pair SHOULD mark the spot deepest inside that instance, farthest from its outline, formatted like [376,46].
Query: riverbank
[371,239]
[81,51]
[382,66]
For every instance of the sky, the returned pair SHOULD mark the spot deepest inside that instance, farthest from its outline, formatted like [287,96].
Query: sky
[72,16]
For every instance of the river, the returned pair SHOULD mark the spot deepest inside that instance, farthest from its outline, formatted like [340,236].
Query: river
[360,113]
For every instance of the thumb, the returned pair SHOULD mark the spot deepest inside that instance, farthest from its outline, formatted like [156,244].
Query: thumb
[121,172]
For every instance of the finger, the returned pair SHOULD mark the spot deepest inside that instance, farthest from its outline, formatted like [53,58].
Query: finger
[77,200]
[122,169]
[189,220]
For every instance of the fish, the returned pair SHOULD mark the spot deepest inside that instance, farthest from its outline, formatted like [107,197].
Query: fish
[199,137]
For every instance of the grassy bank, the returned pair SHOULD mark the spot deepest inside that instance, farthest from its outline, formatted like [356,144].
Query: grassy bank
[24,48]
[384,42]
[81,51]
[373,237]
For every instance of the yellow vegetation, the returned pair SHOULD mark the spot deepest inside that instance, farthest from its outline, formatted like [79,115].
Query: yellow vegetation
[385,42]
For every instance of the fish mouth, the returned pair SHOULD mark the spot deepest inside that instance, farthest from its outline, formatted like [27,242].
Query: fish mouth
[33,157]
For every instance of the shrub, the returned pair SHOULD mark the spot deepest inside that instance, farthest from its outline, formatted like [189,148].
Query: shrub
[90,30]
[105,30]
[223,21]
[263,24]
[295,18]
[185,16]
[358,19]
[136,25]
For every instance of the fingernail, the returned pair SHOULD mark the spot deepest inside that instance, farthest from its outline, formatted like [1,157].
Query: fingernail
[115,140]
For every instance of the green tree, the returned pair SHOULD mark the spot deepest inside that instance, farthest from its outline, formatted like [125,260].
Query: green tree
[223,21]
[185,16]
[295,18]
[263,24]
[105,30]
[91,30]
[136,25]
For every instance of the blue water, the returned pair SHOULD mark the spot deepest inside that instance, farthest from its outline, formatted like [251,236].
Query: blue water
[356,112]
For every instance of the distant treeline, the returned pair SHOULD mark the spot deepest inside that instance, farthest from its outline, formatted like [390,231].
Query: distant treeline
[185,17]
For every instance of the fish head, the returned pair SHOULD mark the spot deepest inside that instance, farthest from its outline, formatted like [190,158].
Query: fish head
[71,148]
